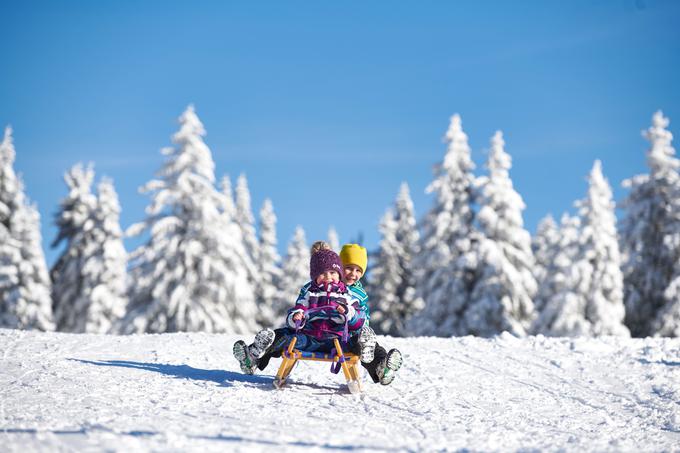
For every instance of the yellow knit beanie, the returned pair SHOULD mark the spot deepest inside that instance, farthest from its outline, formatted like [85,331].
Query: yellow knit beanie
[354,254]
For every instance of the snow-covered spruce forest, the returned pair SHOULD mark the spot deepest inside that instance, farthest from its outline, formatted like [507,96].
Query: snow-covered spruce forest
[468,267]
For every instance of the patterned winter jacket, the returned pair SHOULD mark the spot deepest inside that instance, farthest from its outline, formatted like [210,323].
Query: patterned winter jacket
[357,290]
[321,318]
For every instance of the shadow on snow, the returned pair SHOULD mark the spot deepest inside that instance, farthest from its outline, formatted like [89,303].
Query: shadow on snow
[659,362]
[222,377]
[219,437]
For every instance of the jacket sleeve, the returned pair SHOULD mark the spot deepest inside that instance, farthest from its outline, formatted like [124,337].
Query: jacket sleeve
[300,307]
[358,291]
[301,299]
[356,314]
[292,312]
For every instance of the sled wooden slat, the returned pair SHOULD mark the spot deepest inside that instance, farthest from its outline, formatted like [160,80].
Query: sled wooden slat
[348,362]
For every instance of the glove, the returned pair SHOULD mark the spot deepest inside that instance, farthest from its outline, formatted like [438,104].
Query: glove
[291,322]
[351,312]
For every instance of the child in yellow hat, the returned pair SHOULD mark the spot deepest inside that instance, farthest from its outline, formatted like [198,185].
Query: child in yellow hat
[383,365]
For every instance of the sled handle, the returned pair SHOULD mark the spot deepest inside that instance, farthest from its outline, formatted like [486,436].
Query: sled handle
[291,346]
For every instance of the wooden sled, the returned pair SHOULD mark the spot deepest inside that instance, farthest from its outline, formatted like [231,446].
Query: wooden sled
[348,362]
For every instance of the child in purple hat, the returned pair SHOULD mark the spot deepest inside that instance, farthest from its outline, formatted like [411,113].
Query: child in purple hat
[327,311]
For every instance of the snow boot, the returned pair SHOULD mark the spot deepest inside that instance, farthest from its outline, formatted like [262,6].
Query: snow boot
[387,370]
[367,342]
[263,340]
[245,359]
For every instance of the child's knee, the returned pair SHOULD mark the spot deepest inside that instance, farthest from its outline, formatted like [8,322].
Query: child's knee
[304,343]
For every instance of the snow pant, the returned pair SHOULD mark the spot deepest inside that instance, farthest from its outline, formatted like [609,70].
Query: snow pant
[282,339]
[372,367]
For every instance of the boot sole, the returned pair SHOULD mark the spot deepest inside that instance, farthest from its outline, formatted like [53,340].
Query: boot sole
[241,354]
[263,340]
[393,362]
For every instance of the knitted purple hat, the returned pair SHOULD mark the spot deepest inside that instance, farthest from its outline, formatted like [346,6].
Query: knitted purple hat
[322,261]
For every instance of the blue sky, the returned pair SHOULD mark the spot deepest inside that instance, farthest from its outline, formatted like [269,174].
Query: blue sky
[319,100]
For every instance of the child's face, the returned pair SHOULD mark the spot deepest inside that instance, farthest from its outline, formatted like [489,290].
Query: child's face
[328,277]
[352,273]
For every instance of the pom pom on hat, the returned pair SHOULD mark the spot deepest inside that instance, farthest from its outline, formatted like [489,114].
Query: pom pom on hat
[354,254]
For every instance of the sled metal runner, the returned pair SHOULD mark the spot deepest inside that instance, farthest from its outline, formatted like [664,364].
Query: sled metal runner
[348,362]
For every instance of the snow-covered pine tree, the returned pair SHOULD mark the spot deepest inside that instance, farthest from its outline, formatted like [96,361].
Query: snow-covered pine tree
[245,218]
[228,206]
[295,273]
[333,239]
[446,276]
[394,298]
[75,221]
[34,296]
[268,267]
[105,269]
[385,278]
[192,273]
[599,260]
[502,296]
[409,238]
[558,299]
[235,237]
[666,322]
[89,276]
[25,301]
[650,232]
[545,247]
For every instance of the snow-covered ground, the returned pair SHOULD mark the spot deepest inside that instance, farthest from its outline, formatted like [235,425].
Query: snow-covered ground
[63,392]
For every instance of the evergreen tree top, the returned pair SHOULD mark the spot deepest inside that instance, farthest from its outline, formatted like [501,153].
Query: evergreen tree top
[597,212]
[7,151]
[297,247]
[404,196]
[190,126]
[79,179]
[76,208]
[267,211]
[108,198]
[596,176]
[660,156]
[268,233]
[499,162]
[243,202]
[11,187]
[333,239]
[599,190]
[108,207]
[458,150]
[191,154]
[547,223]
[405,218]
[455,131]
